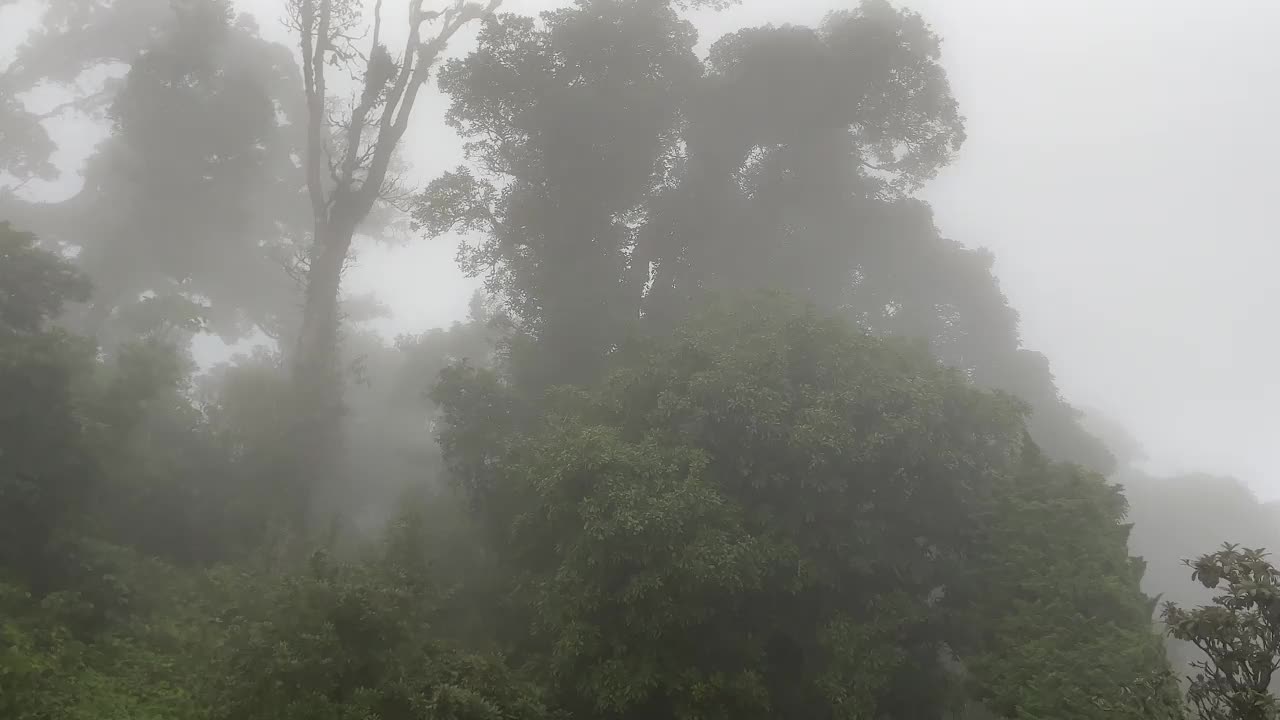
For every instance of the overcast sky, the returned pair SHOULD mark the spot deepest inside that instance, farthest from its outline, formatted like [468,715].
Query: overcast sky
[1121,163]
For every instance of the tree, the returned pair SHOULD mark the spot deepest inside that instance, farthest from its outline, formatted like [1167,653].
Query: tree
[358,640]
[111,449]
[769,513]
[46,464]
[346,164]
[37,284]
[391,419]
[612,195]
[72,37]
[1059,626]
[191,209]
[1239,635]
[578,115]
[61,592]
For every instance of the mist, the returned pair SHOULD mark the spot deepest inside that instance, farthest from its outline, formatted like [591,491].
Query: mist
[917,330]
[1116,163]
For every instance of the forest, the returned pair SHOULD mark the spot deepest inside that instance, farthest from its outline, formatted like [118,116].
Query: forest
[733,429]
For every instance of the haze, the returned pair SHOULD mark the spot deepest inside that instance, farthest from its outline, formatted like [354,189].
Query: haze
[1119,163]
[792,368]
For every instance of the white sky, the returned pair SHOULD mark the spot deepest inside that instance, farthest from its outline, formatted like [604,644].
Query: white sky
[1121,163]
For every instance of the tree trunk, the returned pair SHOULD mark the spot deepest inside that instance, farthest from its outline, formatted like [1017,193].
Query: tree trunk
[317,437]
[358,174]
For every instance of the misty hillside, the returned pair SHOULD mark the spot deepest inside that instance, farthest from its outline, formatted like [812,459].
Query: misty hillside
[734,425]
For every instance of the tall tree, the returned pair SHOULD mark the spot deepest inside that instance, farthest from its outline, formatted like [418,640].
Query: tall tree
[46,467]
[192,207]
[70,38]
[577,117]
[613,190]
[346,167]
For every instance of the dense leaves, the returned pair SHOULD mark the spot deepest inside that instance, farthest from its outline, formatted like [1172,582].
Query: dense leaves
[348,641]
[772,514]
[1239,635]
[612,190]
[1067,634]
[191,206]
[736,432]
[35,284]
[75,643]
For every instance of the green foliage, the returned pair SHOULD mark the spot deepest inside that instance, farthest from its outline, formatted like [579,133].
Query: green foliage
[125,644]
[114,446]
[173,488]
[94,459]
[616,180]
[70,37]
[1239,635]
[772,514]
[1176,518]
[191,207]
[46,465]
[349,641]
[389,417]
[756,508]
[1064,631]
[36,284]
[571,140]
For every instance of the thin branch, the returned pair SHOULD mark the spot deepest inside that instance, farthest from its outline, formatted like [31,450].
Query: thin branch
[352,195]
[366,155]
[412,76]
[323,43]
[82,104]
[333,172]
[315,106]
[11,190]
[406,68]
[358,116]
[377,23]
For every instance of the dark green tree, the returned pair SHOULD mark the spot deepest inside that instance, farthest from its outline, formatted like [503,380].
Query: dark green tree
[354,640]
[347,165]
[191,211]
[1061,628]
[77,638]
[71,38]
[612,190]
[577,117]
[37,284]
[194,200]
[46,464]
[772,514]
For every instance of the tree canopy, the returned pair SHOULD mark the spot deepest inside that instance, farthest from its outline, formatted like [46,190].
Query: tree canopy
[191,209]
[611,190]
[733,431]
[770,513]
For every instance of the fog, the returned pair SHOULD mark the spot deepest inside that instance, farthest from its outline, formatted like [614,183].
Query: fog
[1119,164]
[626,331]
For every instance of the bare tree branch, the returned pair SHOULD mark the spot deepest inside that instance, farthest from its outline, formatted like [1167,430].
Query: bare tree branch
[355,129]
[413,74]
[311,49]
[83,104]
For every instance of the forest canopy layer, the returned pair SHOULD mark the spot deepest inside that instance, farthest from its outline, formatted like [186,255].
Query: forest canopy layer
[733,431]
